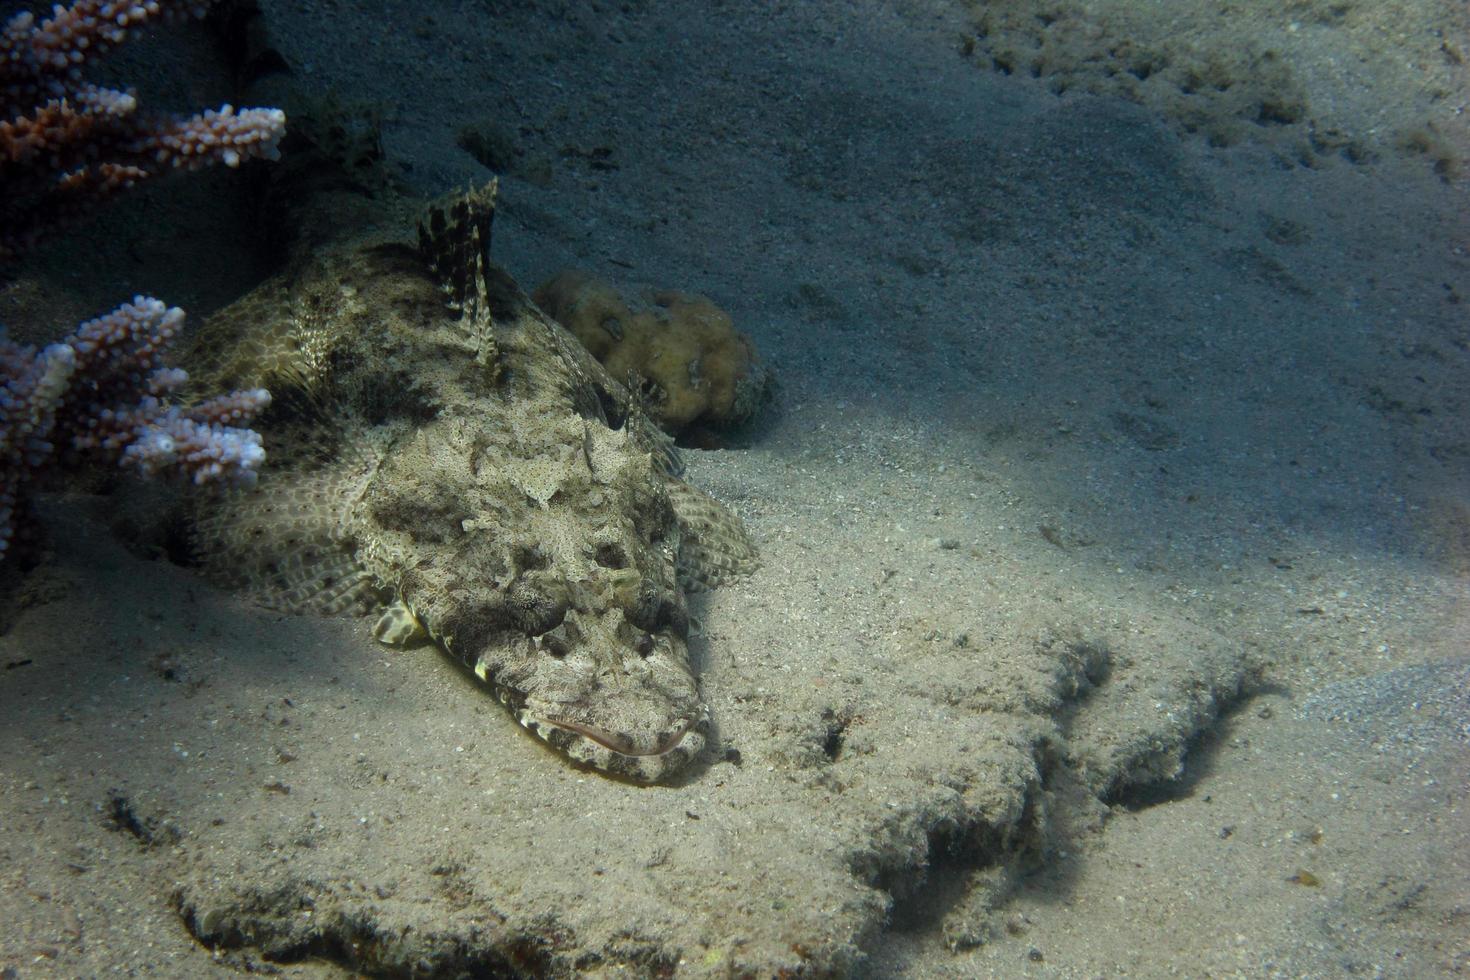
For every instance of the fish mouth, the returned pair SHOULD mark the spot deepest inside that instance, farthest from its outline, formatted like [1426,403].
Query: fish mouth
[627,745]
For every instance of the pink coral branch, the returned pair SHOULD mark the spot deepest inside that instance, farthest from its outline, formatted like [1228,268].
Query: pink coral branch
[101,396]
[66,145]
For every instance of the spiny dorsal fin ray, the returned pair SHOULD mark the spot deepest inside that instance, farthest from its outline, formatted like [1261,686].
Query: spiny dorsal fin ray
[646,435]
[595,393]
[454,241]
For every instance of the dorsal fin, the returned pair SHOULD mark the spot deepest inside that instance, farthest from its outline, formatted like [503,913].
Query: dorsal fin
[454,241]
[645,433]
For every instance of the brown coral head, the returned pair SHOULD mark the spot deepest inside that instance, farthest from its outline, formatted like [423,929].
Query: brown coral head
[701,371]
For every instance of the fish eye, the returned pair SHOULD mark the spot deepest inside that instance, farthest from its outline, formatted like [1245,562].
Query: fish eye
[537,613]
[644,646]
[612,556]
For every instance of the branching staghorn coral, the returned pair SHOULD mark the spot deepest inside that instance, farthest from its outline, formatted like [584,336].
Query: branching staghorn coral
[101,396]
[67,145]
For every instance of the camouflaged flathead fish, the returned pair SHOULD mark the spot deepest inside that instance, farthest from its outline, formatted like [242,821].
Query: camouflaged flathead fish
[443,452]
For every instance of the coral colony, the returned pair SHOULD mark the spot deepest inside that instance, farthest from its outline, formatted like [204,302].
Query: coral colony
[66,146]
[100,395]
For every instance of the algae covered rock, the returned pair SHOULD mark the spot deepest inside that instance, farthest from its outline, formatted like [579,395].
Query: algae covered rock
[699,370]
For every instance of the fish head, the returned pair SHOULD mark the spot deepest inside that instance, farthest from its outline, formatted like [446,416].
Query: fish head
[596,668]
[560,592]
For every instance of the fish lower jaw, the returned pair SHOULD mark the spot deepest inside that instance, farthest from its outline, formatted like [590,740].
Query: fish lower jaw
[655,761]
[626,744]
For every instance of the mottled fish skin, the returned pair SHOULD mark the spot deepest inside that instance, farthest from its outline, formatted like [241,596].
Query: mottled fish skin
[441,447]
